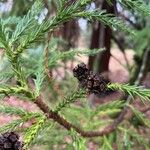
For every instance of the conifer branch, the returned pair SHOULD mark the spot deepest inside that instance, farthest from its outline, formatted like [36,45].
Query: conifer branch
[9,110]
[135,135]
[33,131]
[136,5]
[110,106]
[70,99]
[106,19]
[13,90]
[68,13]
[12,126]
[26,21]
[22,38]
[132,90]
[57,55]
[16,123]
[140,116]
[63,122]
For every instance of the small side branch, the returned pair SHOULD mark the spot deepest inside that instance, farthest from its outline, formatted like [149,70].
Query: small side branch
[63,122]
[144,67]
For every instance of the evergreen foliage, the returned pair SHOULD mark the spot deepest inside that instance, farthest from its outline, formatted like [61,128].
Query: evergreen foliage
[80,122]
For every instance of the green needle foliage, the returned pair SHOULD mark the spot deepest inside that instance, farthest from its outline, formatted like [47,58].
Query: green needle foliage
[137,5]
[31,132]
[17,111]
[132,90]
[70,99]
[107,108]
[23,41]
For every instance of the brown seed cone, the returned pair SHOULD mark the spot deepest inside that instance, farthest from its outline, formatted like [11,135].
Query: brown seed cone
[81,72]
[96,84]
[10,141]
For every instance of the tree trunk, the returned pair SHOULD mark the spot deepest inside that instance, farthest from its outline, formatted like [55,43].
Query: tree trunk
[103,59]
[101,37]
[94,43]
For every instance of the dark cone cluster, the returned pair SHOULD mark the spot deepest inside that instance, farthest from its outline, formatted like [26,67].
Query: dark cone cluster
[81,72]
[10,141]
[94,83]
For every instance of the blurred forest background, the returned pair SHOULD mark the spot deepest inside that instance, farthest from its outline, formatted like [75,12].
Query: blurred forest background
[124,60]
[85,34]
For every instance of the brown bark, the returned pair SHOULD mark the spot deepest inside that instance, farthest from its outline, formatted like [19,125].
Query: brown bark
[101,37]
[95,37]
[103,61]
[67,125]
[94,43]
